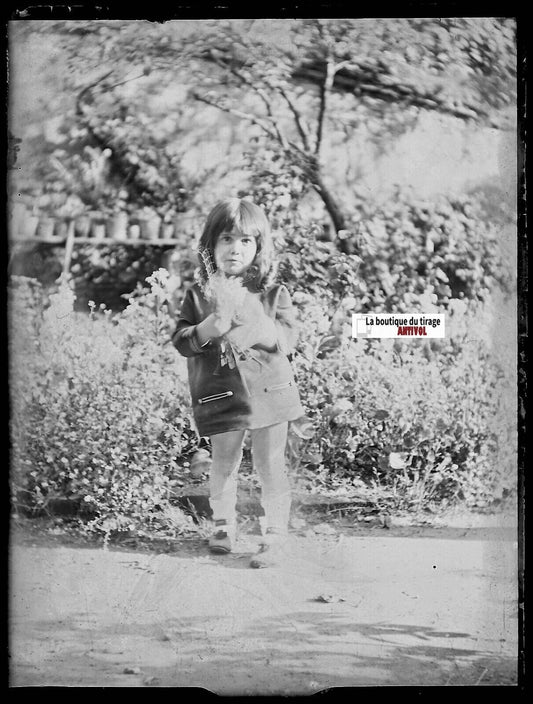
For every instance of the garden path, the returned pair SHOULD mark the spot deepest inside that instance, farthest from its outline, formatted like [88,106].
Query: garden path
[405,606]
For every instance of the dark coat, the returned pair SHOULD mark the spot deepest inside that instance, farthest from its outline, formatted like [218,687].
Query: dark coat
[260,390]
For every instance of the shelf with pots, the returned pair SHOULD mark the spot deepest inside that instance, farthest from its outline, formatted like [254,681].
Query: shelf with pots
[109,225]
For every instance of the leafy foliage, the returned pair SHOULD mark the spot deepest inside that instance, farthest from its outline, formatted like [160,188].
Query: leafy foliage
[100,411]
[439,249]
[429,422]
[412,253]
[111,160]
[140,163]
[425,432]
[109,273]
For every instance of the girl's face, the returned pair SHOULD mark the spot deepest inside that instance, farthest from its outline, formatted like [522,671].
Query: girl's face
[234,252]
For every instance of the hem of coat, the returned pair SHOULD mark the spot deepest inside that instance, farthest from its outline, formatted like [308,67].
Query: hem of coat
[247,426]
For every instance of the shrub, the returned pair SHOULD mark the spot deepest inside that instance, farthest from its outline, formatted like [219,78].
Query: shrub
[100,408]
[426,426]
[444,246]
[428,422]
[411,253]
[106,154]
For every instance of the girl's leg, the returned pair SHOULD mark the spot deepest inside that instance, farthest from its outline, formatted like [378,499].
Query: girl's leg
[268,451]
[227,455]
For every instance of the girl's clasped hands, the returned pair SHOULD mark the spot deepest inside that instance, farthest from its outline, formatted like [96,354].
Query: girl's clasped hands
[238,316]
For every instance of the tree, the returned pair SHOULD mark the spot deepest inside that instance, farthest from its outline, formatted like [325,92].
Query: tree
[343,73]
[299,82]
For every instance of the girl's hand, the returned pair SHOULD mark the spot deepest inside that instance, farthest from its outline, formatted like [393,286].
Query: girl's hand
[261,332]
[249,312]
[211,328]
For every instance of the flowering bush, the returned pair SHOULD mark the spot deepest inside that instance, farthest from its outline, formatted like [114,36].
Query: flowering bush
[425,426]
[100,410]
[428,421]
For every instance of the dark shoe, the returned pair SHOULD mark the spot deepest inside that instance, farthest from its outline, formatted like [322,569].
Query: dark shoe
[271,551]
[221,542]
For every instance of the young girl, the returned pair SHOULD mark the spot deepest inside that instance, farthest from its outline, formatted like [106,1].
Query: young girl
[236,329]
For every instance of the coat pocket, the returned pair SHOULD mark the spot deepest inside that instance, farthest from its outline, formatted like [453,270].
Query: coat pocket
[215,397]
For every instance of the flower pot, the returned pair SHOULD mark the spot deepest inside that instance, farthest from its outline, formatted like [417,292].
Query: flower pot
[82,226]
[45,228]
[167,231]
[28,226]
[183,230]
[117,226]
[98,229]
[150,227]
[61,229]
[134,231]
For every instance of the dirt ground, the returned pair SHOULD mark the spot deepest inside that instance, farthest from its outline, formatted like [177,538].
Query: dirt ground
[355,606]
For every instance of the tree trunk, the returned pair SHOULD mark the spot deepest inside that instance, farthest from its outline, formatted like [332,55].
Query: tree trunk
[346,245]
[311,171]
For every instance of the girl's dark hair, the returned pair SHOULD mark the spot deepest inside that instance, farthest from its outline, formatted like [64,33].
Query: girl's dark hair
[249,219]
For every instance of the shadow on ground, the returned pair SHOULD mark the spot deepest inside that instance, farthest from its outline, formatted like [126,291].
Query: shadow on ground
[298,654]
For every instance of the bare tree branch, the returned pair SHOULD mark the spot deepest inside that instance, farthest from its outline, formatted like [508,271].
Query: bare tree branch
[226,64]
[355,79]
[325,89]
[360,79]
[267,102]
[238,113]
[86,89]
[341,65]
[302,128]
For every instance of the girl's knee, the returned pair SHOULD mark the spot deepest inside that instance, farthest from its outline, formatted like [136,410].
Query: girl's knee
[270,461]
[225,466]
[272,473]
[227,448]
[222,472]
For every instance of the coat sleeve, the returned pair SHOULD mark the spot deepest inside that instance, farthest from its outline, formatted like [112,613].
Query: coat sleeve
[286,322]
[184,336]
